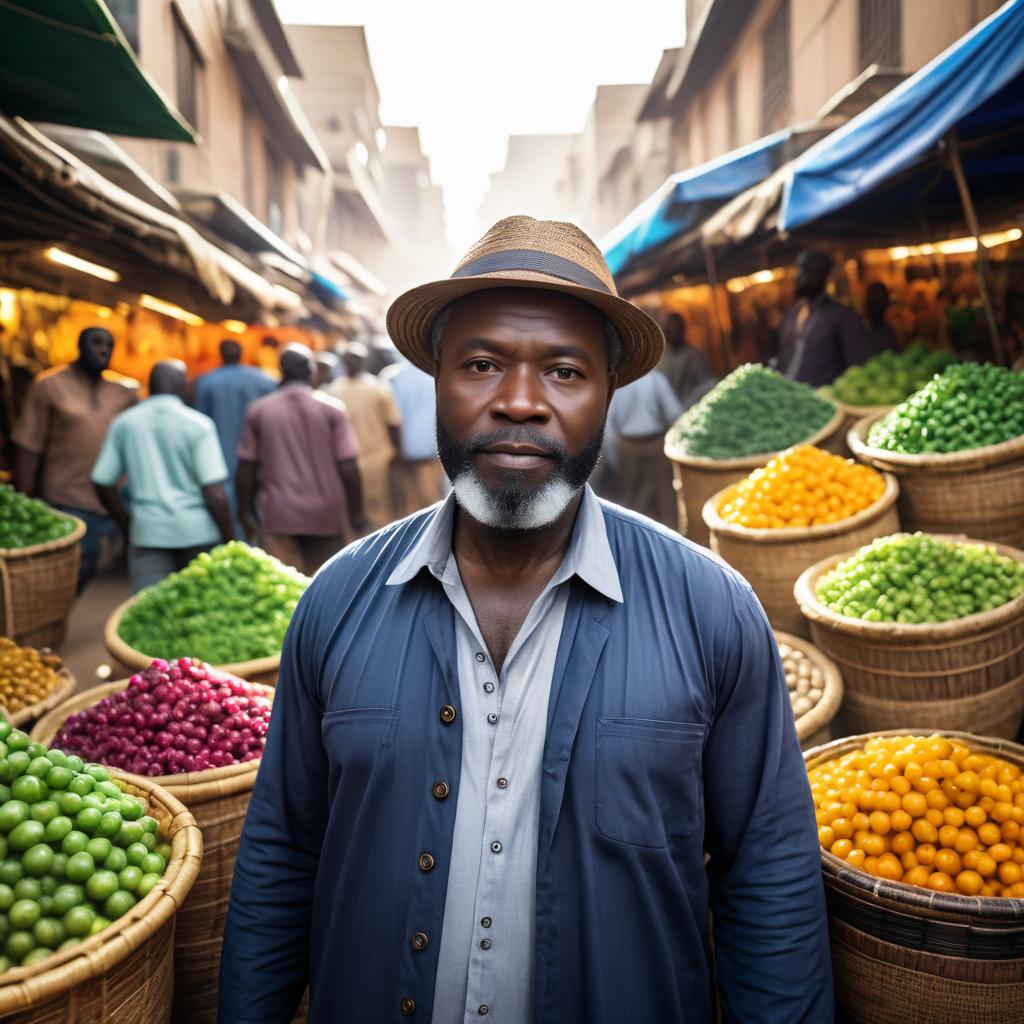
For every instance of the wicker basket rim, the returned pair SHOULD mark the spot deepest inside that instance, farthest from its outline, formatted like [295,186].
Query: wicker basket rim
[815,611]
[47,727]
[987,455]
[64,689]
[98,953]
[787,534]
[992,907]
[832,695]
[750,461]
[69,539]
[137,660]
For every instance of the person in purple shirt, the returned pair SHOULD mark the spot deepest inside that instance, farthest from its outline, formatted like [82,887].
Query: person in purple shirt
[819,337]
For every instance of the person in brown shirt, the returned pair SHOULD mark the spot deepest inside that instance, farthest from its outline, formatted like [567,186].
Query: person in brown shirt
[58,436]
[300,442]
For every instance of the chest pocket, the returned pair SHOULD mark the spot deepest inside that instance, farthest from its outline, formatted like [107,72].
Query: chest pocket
[354,737]
[648,780]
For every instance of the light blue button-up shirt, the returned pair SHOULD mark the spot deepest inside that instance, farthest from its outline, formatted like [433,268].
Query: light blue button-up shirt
[486,956]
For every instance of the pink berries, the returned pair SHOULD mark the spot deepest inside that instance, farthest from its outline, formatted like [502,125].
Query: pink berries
[172,718]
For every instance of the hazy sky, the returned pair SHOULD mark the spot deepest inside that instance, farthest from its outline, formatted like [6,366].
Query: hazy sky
[470,72]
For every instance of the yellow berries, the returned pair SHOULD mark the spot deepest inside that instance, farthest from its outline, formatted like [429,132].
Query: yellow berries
[804,486]
[26,675]
[925,811]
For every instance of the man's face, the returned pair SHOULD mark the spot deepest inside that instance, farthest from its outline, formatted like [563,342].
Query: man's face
[523,387]
[95,349]
[811,275]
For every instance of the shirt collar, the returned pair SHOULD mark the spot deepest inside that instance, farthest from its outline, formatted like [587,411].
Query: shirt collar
[589,555]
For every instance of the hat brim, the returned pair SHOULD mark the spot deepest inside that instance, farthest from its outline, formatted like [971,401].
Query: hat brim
[410,319]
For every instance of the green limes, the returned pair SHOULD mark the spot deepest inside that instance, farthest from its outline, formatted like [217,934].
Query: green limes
[100,885]
[67,896]
[80,867]
[6,898]
[29,788]
[57,828]
[146,884]
[69,803]
[19,944]
[118,903]
[79,920]
[49,932]
[88,819]
[110,824]
[116,860]
[129,878]
[37,859]
[27,834]
[135,853]
[24,914]
[74,842]
[12,814]
[44,811]
[152,863]
[98,848]
[59,777]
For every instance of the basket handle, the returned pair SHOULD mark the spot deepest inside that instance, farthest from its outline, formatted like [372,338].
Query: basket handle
[5,582]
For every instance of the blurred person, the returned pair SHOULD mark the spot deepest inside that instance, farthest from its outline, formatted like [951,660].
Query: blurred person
[819,337]
[686,367]
[297,470]
[327,367]
[371,406]
[532,755]
[381,354]
[639,415]
[881,335]
[224,394]
[176,474]
[419,469]
[57,439]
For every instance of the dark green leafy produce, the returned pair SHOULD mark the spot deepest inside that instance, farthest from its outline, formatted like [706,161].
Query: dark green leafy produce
[890,377]
[27,521]
[754,410]
[55,890]
[915,578]
[969,405]
[231,605]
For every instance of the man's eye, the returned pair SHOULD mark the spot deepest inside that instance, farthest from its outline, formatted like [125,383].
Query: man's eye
[566,373]
[482,365]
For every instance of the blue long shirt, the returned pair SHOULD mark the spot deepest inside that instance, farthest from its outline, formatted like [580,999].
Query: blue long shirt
[224,394]
[669,736]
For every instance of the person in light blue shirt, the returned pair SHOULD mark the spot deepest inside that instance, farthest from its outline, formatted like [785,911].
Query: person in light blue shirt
[419,471]
[224,395]
[176,471]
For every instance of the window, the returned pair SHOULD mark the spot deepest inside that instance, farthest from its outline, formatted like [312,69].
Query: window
[188,67]
[275,192]
[881,33]
[775,69]
[126,14]
[732,112]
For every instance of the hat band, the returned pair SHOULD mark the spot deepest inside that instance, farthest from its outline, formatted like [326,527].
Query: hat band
[533,259]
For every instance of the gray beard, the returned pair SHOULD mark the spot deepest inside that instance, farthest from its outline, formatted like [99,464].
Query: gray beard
[532,512]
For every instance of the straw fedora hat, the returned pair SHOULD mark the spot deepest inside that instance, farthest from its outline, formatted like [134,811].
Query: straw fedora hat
[520,252]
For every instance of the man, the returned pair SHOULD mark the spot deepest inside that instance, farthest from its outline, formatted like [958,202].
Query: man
[418,468]
[176,472]
[376,421]
[66,416]
[819,337]
[224,395]
[302,446]
[687,368]
[507,730]
[881,335]
[640,414]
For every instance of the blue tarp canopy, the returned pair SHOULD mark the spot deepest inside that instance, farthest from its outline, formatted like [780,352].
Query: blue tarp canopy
[887,172]
[690,196]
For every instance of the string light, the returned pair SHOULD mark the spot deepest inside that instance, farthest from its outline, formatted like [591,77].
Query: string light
[67,259]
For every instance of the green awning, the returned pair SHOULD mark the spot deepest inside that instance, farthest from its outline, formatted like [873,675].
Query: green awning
[67,62]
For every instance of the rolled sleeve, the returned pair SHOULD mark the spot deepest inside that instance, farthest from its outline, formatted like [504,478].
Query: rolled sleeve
[265,959]
[345,444]
[33,424]
[209,459]
[109,467]
[767,896]
[248,443]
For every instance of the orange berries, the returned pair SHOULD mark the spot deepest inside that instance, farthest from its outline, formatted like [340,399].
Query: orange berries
[804,486]
[925,811]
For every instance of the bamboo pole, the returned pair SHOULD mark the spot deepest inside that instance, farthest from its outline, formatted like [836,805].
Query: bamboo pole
[712,271]
[971,216]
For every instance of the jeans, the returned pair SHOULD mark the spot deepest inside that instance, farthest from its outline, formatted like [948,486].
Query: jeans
[150,565]
[98,527]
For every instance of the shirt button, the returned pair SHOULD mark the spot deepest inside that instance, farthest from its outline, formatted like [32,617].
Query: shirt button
[485,943]
[419,941]
[488,687]
[502,783]
[407,1006]
[480,656]
[492,718]
[483,1009]
[485,922]
[495,847]
[447,714]
[440,790]
[426,862]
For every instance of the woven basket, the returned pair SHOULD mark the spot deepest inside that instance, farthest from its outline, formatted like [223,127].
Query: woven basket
[26,716]
[219,799]
[965,674]
[696,479]
[259,670]
[37,588]
[851,414]
[978,492]
[123,974]
[906,955]
[815,727]
[771,560]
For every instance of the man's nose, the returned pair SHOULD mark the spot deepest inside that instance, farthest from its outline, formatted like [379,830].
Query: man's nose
[520,397]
